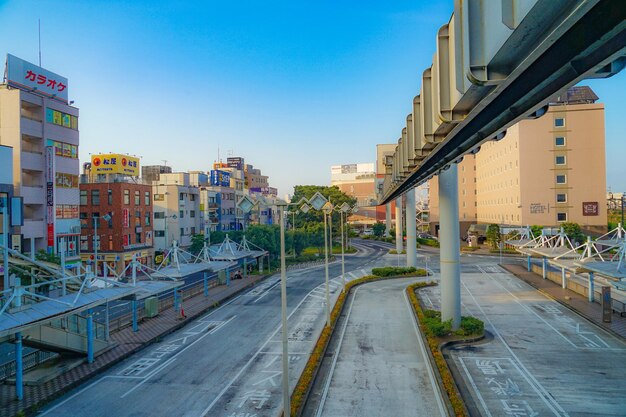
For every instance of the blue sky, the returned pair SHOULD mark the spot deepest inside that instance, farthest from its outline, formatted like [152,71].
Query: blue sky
[293,87]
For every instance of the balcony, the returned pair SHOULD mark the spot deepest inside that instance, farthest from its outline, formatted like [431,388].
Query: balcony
[31,127]
[33,195]
[33,228]
[32,161]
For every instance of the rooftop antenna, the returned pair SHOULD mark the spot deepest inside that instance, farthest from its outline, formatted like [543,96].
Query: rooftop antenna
[39,30]
[218,153]
[164,161]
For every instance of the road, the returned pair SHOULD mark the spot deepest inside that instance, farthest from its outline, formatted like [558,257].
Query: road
[376,364]
[540,359]
[226,363]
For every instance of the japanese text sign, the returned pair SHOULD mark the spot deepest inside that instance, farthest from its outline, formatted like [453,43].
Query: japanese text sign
[26,76]
[115,164]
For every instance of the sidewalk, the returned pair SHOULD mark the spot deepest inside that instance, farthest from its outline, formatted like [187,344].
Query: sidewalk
[574,301]
[128,343]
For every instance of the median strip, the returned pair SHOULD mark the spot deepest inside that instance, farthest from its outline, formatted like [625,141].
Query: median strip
[438,333]
[307,377]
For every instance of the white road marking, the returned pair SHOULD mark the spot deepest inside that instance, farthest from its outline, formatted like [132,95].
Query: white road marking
[335,357]
[539,389]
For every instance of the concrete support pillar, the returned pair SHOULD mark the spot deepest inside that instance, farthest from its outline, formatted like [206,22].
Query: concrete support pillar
[563,278]
[176,300]
[450,254]
[529,266]
[205,277]
[399,242]
[388,220]
[133,305]
[544,268]
[227,277]
[411,229]
[89,336]
[591,293]
[19,367]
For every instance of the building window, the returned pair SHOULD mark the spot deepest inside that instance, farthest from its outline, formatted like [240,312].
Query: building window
[147,220]
[192,213]
[58,118]
[127,197]
[146,198]
[159,197]
[559,141]
[560,160]
[193,230]
[138,237]
[561,198]
[181,214]
[181,196]
[110,197]
[95,197]
[561,217]
[159,233]
[559,122]
[159,214]
[182,232]
[137,198]
[83,197]
[561,179]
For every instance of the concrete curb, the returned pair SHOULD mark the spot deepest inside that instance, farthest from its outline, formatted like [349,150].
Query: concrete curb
[434,366]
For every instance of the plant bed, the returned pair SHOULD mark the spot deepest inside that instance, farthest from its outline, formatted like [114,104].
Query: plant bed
[469,248]
[439,333]
[303,387]
[395,252]
[399,271]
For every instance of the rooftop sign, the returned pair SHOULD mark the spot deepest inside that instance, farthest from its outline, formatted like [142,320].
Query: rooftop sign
[29,77]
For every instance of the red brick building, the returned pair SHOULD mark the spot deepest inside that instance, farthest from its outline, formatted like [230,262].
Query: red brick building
[126,233]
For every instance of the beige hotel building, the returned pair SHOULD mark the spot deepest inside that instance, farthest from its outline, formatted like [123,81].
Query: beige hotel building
[544,172]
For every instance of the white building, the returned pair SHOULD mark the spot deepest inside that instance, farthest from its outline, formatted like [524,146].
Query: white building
[176,210]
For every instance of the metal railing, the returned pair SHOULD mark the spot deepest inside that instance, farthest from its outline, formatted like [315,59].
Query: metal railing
[30,360]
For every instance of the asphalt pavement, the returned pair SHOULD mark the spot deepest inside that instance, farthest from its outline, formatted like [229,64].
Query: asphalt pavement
[225,363]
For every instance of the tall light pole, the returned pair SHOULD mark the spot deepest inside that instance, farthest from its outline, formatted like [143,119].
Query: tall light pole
[320,203]
[343,209]
[246,204]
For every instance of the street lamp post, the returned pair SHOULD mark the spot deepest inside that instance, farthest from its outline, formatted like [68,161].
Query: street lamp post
[246,204]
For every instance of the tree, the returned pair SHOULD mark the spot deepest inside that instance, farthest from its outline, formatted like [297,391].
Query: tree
[300,241]
[573,232]
[197,243]
[378,229]
[536,230]
[333,194]
[493,235]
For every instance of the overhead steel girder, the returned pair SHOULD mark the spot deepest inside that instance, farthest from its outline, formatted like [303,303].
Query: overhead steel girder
[589,42]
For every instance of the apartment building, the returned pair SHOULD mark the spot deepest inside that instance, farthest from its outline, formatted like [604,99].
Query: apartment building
[38,121]
[544,172]
[176,210]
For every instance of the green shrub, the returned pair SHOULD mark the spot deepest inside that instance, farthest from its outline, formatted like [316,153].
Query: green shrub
[470,326]
[428,242]
[389,271]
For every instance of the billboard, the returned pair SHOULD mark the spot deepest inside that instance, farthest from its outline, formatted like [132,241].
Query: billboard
[236,162]
[220,178]
[26,76]
[114,163]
